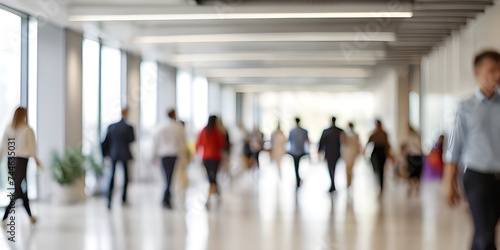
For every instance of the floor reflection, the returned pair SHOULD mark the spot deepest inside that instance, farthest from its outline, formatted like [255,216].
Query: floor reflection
[258,210]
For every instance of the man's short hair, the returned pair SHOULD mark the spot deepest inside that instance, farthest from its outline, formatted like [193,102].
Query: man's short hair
[488,54]
[171,113]
[334,119]
[297,120]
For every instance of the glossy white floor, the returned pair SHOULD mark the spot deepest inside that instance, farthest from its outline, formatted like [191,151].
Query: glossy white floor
[263,214]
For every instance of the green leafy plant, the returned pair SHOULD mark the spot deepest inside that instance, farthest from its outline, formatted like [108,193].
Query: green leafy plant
[69,167]
[95,165]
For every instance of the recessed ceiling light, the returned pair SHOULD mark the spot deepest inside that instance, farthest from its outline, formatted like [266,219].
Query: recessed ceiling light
[269,56]
[287,72]
[272,37]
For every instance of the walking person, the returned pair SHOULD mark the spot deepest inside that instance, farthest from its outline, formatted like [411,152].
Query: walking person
[350,151]
[226,161]
[330,143]
[474,145]
[118,139]
[19,144]
[169,145]
[211,143]
[256,146]
[380,153]
[278,147]
[298,140]
[435,159]
[414,158]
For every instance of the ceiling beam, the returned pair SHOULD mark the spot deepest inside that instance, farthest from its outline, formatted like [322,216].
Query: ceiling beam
[145,13]
[462,6]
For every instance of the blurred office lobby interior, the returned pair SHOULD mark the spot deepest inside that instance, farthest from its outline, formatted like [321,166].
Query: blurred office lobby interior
[74,64]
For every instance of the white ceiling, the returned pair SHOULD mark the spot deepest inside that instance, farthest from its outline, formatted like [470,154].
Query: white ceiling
[308,45]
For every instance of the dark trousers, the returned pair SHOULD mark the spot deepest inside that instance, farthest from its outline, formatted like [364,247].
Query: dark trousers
[483,195]
[112,181]
[212,166]
[19,167]
[296,163]
[168,164]
[332,165]
[378,158]
[415,163]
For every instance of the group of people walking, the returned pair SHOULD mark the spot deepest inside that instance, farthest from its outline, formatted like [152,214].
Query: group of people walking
[334,144]
[170,150]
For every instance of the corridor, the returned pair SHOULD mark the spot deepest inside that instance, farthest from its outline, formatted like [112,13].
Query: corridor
[274,215]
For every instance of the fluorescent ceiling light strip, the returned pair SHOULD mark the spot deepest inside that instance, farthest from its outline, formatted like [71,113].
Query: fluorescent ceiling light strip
[287,72]
[272,37]
[216,16]
[340,57]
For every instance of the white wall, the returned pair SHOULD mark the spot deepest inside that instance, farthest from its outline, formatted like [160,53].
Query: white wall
[248,110]
[447,73]
[228,106]
[214,99]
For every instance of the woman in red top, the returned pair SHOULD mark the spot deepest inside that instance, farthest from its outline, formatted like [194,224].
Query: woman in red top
[211,141]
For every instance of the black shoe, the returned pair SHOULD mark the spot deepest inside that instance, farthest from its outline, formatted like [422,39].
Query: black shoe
[298,183]
[167,204]
[331,190]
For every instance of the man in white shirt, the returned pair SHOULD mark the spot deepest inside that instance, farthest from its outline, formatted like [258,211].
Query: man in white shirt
[169,144]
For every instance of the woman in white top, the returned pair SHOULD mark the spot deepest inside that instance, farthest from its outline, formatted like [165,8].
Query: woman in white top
[351,149]
[19,145]
[278,147]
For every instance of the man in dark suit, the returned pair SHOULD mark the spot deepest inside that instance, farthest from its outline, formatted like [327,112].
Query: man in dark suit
[119,137]
[330,143]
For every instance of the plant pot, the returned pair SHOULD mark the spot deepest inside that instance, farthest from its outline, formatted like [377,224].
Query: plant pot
[70,193]
[96,185]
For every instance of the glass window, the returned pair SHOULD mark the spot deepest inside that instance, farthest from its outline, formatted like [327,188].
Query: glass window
[10,65]
[110,87]
[32,101]
[90,96]
[149,89]
[200,103]
[149,107]
[315,110]
[10,81]
[184,96]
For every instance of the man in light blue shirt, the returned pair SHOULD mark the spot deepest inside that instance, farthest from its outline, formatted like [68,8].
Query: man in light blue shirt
[475,145]
[298,140]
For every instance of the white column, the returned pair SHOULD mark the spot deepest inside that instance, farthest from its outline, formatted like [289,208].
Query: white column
[74,49]
[403,103]
[51,100]
[133,78]
[59,96]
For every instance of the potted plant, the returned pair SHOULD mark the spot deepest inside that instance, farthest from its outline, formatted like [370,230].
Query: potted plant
[95,183]
[69,172]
